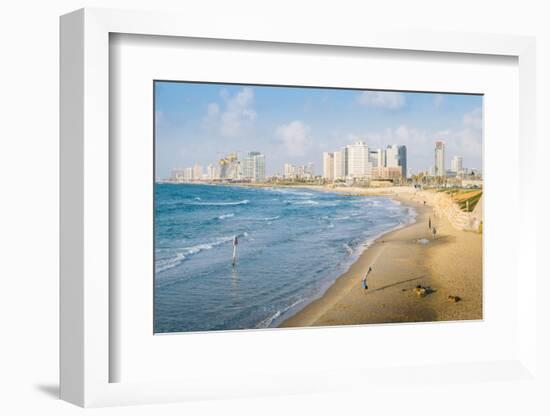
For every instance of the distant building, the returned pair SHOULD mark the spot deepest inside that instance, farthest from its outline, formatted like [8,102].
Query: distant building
[396,156]
[188,174]
[230,167]
[177,175]
[439,165]
[298,172]
[358,162]
[212,172]
[392,173]
[377,158]
[328,166]
[338,169]
[456,164]
[197,172]
[253,167]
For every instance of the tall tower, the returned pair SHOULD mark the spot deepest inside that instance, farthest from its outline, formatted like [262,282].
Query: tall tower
[328,166]
[439,166]
[338,165]
[456,164]
[359,164]
[396,156]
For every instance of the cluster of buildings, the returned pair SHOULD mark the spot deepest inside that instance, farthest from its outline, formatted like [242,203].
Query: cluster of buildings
[303,172]
[457,169]
[359,162]
[229,168]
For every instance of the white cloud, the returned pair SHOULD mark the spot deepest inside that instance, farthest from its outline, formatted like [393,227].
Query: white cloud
[295,137]
[237,116]
[474,119]
[388,100]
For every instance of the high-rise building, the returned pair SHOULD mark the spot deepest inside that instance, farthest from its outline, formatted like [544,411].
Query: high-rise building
[289,171]
[338,165]
[188,174]
[298,172]
[253,166]
[230,167]
[212,172]
[328,166]
[396,156]
[439,165]
[377,158]
[456,164]
[197,172]
[358,163]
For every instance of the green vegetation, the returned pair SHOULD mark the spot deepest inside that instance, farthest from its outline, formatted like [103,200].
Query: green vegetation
[466,199]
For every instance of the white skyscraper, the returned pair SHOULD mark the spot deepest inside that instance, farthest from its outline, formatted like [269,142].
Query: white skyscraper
[328,166]
[439,166]
[358,161]
[456,164]
[212,172]
[338,166]
[253,166]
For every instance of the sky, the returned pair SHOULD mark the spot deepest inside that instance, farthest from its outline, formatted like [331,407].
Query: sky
[199,123]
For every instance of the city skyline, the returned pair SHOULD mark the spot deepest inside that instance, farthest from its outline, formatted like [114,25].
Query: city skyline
[201,123]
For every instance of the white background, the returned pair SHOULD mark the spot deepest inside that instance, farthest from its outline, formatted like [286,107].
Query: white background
[29,207]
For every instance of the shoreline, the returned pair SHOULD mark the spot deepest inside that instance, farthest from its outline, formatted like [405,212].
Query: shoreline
[400,263]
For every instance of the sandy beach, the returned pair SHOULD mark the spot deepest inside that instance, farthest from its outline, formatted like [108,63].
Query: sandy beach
[448,268]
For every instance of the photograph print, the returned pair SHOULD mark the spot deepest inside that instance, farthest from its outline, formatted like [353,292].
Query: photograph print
[288,206]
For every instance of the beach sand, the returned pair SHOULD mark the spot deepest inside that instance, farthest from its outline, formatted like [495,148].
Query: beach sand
[451,265]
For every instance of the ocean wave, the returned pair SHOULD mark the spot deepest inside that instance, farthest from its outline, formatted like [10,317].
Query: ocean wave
[269,320]
[272,218]
[290,192]
[224,216]
[243,202]
[303,202]
[348,249]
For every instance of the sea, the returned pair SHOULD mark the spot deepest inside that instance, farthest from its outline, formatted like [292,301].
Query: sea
[293,244]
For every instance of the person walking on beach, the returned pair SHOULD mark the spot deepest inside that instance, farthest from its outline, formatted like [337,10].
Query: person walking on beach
[430,223]
[434,231]
[365,286]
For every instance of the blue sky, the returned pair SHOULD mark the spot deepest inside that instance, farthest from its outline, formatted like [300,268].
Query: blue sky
[198,123]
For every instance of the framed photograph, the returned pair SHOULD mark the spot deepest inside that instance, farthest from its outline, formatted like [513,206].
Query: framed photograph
[281,206]
[279,212]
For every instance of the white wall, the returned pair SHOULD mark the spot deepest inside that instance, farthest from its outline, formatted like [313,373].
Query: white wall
[29,207]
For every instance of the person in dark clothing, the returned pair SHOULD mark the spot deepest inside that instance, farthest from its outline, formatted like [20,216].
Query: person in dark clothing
[365,286]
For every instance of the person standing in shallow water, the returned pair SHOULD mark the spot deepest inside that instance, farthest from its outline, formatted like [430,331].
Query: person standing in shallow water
[235,243]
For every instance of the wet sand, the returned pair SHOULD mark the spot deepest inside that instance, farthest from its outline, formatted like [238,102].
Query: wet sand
[450,265]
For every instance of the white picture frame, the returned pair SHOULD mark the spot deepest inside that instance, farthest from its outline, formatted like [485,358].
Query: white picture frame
[85,211]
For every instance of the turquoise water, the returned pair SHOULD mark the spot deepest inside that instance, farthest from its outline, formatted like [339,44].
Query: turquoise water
[293,244]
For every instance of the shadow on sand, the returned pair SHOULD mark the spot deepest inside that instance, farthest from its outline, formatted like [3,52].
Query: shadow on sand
[399,283]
